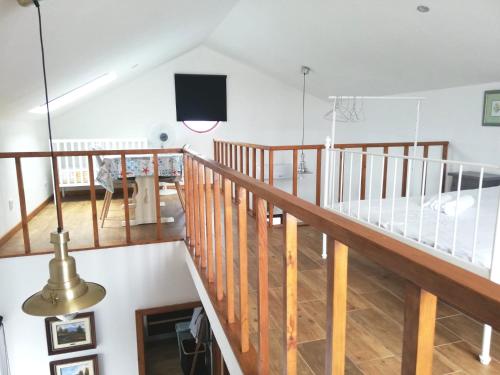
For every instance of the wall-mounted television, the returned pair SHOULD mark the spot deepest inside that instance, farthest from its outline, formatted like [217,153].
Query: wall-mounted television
[200,97]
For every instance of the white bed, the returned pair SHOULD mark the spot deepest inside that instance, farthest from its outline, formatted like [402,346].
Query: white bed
[421,222]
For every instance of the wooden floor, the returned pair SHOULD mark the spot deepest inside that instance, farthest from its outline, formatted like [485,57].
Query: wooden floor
[77,218]
[375,299]
[375,315]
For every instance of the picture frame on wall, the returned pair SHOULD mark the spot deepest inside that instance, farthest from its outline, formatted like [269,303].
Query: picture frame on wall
[491,108]
[71,335]
[87,365]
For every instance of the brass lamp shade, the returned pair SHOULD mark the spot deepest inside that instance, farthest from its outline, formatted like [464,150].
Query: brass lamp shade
[65,292]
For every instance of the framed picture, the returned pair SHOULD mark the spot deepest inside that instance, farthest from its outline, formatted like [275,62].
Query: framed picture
[75,366]
[72,335]
[491,110]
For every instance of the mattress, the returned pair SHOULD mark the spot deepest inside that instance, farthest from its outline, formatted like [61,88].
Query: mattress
[380,212]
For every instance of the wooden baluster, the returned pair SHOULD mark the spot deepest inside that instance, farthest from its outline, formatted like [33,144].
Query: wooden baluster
[231,156]
[197,224]
[386,160]
[290,295]
[336,306]
[262,164]
[125,198]
[241,159]
[215,150]
[444,156]
[247,166]
[295,172]
[363,173]
[57,190]
[263,286]
[209,218]
[254,174]
[271,183]
[192,238]
[201,213]
[95,224]
[187,199]
[156,176]
[419,328]
[228,230]
[318,177]
[218,238]
[405,172]
[243,257]
[22,206]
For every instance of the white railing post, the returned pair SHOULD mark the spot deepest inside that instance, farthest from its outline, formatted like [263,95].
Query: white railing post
[326,184]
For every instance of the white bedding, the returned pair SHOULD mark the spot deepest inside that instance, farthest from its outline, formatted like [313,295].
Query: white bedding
[465,227]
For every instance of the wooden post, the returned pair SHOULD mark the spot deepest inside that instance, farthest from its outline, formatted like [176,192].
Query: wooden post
[218,239]
[405,172]
[156,176]
[262,165]
[228,230]
[125,199]
[318,177]
[444,156]
[290,295]
[263,287]
[271,183]
[241,159]
[243,257]
[336,307]
[201,213]
[95,224]
[209,217]
[363,173]
[419,328]
[247,167]
[341,177]
[295,172]
[215,149]
[187,199]
[196,195]
[22,206]
[192,238]
[386,160]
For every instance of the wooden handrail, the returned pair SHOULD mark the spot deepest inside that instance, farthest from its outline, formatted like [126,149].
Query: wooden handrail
[428,277]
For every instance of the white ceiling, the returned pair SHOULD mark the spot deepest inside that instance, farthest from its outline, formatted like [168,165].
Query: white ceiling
[87,38]
[353,46]
[364,47]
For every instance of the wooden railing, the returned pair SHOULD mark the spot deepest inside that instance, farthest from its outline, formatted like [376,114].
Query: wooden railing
[428,279]
[19,156]
[247,158]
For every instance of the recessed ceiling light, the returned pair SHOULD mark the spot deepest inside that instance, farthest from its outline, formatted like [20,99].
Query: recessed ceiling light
[423,8]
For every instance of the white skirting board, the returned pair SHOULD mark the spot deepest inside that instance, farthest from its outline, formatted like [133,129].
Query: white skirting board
[224,345]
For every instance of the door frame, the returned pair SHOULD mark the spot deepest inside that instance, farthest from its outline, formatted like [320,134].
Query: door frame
[139,327]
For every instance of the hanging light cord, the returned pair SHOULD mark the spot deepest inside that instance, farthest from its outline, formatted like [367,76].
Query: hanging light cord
[52,157]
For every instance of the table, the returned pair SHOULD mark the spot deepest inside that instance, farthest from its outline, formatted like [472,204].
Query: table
[141,169]
[470,180]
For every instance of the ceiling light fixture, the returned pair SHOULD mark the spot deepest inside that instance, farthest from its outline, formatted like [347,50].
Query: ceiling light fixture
[65,292]
[423,8]
[302,168]
[75,94]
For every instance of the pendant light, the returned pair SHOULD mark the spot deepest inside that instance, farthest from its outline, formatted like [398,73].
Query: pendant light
[302,168]
[65,293]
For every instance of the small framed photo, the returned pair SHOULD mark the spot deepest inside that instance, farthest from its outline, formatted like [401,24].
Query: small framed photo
[491,110]
[72,335]
[75,366]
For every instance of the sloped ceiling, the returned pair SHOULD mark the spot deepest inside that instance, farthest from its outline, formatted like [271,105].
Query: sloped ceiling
[363,47]
[86,39]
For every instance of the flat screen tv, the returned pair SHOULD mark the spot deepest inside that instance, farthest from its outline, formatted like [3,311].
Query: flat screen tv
[200,97]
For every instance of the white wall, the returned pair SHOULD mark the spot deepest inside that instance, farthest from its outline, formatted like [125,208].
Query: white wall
[135,277]
[453,114]
[261,109]
[15,136]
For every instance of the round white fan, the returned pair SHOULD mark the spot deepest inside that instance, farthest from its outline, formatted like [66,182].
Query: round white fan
[161,136]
